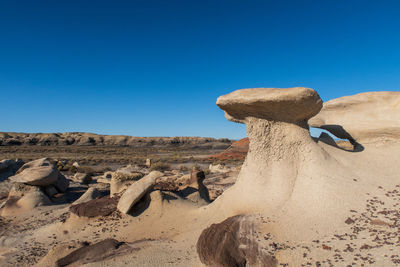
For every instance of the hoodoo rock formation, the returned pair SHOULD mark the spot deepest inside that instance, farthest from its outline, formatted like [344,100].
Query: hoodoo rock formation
[365,117]
[301,190]
[280,144]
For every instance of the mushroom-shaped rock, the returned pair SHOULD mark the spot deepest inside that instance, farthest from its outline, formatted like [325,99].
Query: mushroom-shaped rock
[289,105]
[276,122]
[365,117]
[286,173]
[137,190]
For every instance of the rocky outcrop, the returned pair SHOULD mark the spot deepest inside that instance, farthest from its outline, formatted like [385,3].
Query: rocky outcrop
[365,117]
[34,184]
[230,243]
[137,190]
[89,139]
[276,122]
[237,151]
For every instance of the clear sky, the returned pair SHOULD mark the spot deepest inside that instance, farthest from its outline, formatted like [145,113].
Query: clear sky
[155,68]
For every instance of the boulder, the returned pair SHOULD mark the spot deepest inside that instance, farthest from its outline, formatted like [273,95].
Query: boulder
[96,207]
[90,194]
[365,117]
[82,178]
[61,183]
[228,244]
[36,163]
[136,191]
[36,175]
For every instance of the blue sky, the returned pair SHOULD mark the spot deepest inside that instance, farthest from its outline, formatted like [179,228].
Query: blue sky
[155,68]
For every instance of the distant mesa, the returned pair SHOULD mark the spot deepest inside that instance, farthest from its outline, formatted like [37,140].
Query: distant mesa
[90,139]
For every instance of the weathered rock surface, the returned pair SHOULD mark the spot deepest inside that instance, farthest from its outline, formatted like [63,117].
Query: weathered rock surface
[41,172]
[96,207]
[275,104]
[36,163]
[229,244]
[39,176]
[137,190]
[365,117]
